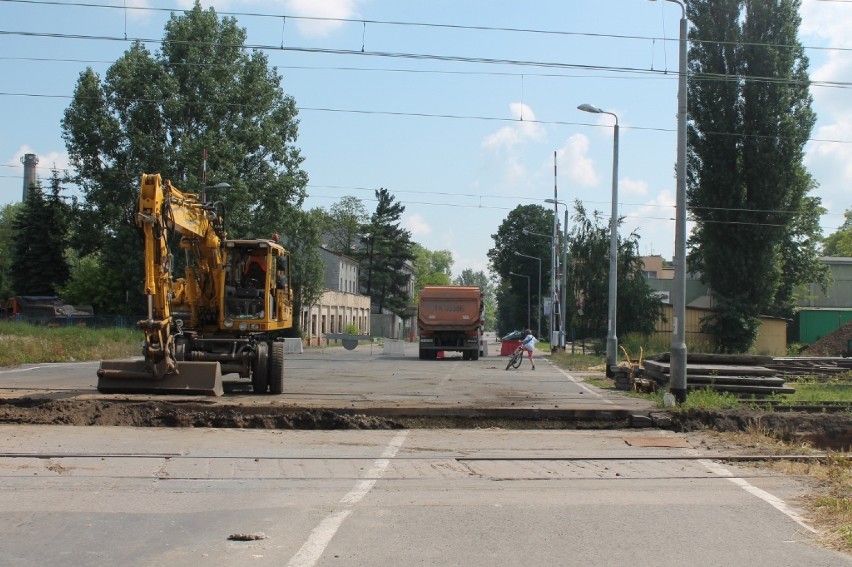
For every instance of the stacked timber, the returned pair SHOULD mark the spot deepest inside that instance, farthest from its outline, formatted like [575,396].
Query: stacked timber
[738,374]
[810,365]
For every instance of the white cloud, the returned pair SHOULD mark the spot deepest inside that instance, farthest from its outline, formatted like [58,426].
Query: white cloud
[46,162]
[826,20]
[826,24]
[418,225]
[654,221]
[321,9]
[632,187]
[523,130]
[573,156]
[507,144]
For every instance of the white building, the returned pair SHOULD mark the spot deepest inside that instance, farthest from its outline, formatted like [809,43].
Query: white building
[340,307]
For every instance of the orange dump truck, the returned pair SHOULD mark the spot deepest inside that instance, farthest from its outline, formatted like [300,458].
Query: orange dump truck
[450,318]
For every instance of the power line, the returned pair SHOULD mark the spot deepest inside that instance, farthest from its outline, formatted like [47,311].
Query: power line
[364,21]
[450,117]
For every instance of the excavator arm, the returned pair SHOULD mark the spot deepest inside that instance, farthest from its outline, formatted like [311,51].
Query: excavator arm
[164,210]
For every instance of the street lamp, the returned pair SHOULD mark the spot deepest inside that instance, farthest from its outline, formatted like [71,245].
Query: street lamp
[539,289]
[528,295]
[552,270]
[611,339]
[677,376]
[204,189]
[555,301]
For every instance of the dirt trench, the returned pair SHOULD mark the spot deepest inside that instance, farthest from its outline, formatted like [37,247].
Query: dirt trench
[823,430]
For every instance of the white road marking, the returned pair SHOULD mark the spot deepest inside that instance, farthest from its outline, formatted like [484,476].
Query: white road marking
[52,365]
[582,386]
[320,537]
[771,499]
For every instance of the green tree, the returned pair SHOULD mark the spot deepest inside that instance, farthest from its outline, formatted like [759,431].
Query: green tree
[88,284]
[750,117]
[303,237]
[7,244]
[386,258]
[509,241]
[158,113]
[489,294]
[40,228]
[431,268]
[588,282]
[839,243]
[346,219]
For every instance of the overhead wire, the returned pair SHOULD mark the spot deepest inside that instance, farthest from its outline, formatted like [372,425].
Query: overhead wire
[665,74]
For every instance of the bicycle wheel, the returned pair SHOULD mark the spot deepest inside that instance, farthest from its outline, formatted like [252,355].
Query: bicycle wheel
[517,360]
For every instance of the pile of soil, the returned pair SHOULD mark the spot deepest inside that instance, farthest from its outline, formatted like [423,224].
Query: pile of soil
[833,344]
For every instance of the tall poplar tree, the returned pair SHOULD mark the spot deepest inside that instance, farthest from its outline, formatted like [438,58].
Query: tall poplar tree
[749,119]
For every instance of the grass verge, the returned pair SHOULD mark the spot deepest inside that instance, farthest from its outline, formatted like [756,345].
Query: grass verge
[829,505]
[22,343]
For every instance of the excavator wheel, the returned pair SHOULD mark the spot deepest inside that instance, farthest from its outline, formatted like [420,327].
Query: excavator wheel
[276,368]
[260,370]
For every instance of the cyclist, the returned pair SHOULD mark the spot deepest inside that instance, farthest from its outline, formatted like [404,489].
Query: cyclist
[528,344]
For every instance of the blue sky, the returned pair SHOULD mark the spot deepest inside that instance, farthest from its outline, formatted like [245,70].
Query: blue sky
[459,139]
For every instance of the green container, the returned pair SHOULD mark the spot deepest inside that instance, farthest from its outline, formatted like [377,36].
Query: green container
[816,323]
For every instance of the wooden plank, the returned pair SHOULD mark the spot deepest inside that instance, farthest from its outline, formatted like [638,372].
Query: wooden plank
[750,380]
[710,369]
[710,358]
[734,389]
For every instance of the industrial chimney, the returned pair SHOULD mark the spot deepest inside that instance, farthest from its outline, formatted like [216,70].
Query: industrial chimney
[30,161]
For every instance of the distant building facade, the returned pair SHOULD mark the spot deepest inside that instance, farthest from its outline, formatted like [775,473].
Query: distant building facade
[341,306]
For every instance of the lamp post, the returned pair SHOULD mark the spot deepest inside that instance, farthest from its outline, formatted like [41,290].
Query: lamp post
[554,329]
[677,380]
[528,295]
[204,189]
[611,338]
[538,309]
[553,270]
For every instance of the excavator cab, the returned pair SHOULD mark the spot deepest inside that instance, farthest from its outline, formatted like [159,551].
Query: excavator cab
[257,287]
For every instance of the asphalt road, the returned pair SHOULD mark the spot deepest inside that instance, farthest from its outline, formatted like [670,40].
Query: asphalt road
[371,376]
[204,496]
[126,496]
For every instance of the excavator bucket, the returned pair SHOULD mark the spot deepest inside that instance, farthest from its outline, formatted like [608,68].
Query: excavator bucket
[134,377]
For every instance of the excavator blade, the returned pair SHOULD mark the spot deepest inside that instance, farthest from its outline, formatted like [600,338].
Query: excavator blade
[133,377]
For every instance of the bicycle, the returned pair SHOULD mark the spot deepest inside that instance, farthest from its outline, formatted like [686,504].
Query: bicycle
[516,358]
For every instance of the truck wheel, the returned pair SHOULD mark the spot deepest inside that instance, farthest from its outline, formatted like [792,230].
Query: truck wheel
[423,354]
[260,370]
[276,368]
[474,354]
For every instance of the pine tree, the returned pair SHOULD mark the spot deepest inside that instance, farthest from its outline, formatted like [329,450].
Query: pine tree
[40,234]
[386,258]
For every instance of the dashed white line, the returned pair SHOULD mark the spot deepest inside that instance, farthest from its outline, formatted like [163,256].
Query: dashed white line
[582,386]
[321,536]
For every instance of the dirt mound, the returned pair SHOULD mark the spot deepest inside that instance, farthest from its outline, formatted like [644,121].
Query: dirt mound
[835,343]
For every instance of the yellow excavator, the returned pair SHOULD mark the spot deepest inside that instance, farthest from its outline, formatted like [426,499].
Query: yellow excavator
[223,317]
